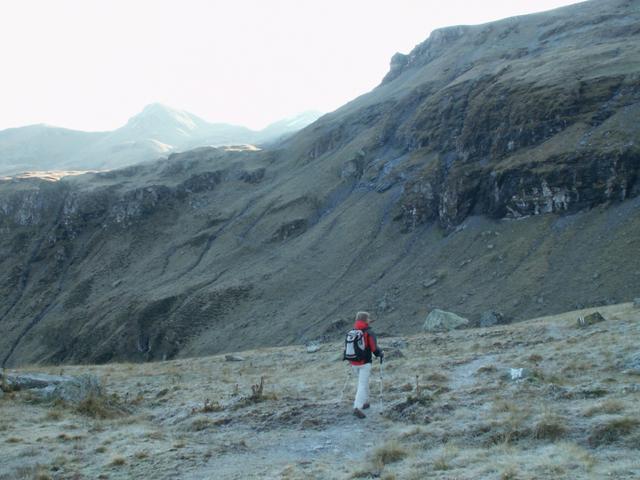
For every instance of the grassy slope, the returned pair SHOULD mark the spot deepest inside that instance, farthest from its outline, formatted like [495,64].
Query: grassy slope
[574,418]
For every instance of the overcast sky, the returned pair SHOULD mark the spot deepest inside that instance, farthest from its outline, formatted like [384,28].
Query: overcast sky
[92,64]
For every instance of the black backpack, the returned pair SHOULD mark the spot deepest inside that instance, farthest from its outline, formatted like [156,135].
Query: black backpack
[354,347]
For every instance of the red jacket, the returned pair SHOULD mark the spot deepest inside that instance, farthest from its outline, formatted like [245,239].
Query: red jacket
[370,343]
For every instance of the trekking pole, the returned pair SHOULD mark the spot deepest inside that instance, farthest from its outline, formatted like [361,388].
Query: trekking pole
[344,387]
[381,383]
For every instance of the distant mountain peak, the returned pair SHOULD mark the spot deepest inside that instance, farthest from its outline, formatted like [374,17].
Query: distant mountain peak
[157,114]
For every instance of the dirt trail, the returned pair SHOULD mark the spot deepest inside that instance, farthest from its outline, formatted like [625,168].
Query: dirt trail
[464,375]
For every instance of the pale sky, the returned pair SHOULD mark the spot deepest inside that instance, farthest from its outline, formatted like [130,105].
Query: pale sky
[92,64]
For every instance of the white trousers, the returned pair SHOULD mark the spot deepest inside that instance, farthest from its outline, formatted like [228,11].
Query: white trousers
[362,394]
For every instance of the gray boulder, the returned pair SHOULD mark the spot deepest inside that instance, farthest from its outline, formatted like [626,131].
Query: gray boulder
[27,381]
[591,319]
[491,318]
[429,283]
[77,390]
[233,358]
[56,387]
[440,320]
[313,347]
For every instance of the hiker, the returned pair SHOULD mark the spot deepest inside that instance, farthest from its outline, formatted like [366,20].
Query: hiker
[359,345]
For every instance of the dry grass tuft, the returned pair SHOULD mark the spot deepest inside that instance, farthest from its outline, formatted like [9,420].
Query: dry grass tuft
[366,473]
[142,454]
[510,422]
[390,452]
[200,424]
[208,407]
[487,369]
[4,386]
[610,406]
[54,415]
[549,427]
[441,463]
[534,358]
[118,461]
[437,377]
[101,406]
[509,474]
[613,430]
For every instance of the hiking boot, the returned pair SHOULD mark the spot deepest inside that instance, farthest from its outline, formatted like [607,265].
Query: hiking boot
[358,413]
[365,406]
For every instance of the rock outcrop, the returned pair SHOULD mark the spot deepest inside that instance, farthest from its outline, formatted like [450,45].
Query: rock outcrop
[440,321]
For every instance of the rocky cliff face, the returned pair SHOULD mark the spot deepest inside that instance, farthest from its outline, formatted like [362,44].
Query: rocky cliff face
[528,115]
[495,168]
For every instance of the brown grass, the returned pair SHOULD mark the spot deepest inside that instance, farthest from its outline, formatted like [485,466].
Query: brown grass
[208,407]
[118,461]
[612,431]
[550,427]
[142,454]
[390,452]
[101,406]
[610,406]
[200,424]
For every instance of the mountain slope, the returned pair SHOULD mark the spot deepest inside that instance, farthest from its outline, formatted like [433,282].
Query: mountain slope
[153,133]
[474,178]
[38,147]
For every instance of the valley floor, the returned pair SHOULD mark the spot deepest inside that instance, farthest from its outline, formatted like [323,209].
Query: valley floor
[449,409]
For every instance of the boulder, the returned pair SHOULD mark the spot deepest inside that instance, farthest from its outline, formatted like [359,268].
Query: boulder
[636,302]
[233,358]
[517,374]
[440,320]
[56,387]
[313,347]
[591,319]
[74,391]
[491,318]
[27,381]
[429,283]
